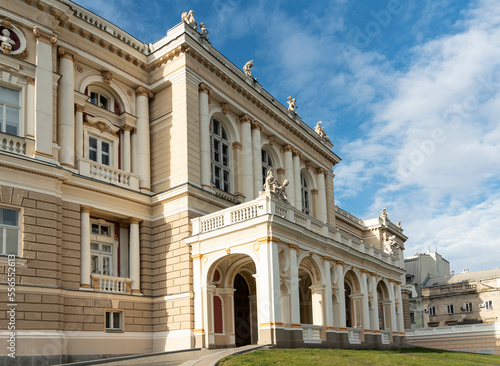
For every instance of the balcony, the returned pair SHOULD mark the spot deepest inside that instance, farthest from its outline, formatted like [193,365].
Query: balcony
[12,144]
[108,174]
[267,205]
[117,285]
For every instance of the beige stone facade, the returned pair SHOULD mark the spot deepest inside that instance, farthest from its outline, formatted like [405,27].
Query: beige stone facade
[129,196]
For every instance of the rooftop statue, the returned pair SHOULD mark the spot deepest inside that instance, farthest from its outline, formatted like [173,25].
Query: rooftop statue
[391,246]
[247,68]
[7,42]
[273,188]
[292,106]
[383,216]
[189,19]
[320,131]
[204,31]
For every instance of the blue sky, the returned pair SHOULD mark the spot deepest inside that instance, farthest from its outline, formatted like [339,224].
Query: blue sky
[407,91]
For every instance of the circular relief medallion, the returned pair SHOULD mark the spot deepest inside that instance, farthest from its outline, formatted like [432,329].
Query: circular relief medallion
[13,41]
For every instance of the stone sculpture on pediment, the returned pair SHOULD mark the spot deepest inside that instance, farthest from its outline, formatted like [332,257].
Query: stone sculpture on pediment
[273,188]
[204,31]
[320,131]
[383,216]
[292,104]
[247,68]
[188,17]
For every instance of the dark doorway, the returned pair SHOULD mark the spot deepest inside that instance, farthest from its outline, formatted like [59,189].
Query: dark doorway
[242,326]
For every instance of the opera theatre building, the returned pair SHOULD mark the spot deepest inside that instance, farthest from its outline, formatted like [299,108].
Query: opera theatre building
[154,197]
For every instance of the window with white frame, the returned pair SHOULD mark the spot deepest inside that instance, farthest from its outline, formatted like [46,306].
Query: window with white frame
[220,157]
[432,310]
[99,100]
[10,111]
[450,309]
[488,305]
[468,307]
[102,248]
[267,164]
[9,231]
[114,321]
[306,196]
[100,150]
[103,99]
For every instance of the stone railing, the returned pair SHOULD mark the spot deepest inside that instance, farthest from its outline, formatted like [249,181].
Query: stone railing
[13,144]
[311,333]
[453,329]
[385,336]
[117,285]
[266,205]
[348,216]
[108,174]
[354,335]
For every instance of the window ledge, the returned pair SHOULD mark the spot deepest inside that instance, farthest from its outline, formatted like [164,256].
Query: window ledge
[4,260]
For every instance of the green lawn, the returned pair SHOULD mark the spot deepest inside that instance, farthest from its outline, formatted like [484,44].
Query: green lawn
[324,357]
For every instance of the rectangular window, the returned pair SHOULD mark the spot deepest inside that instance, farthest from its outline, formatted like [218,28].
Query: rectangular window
[488,305]
[101,259]
[450,309]
[100,151]
[114,321]
[412,318]
[468,307]
[9,231]
[432,310]
[9,111]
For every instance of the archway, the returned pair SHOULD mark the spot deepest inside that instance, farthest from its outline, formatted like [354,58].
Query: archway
[232,302]
[310,291]
[353,300]
[383,306]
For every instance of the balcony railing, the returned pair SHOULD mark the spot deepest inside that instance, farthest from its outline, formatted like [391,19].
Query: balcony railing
[354,335]
[468,328]
[311,333]
[117,285]
[108,174]
[13,144]
[266,205]
[385,336]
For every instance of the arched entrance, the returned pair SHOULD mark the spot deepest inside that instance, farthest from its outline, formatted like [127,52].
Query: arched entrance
[232,302]
[383,305]
[353,300]
[242,320]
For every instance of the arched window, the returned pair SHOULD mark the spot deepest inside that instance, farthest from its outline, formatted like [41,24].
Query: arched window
[267,164]
[220,157]
[306,197]
[102,98]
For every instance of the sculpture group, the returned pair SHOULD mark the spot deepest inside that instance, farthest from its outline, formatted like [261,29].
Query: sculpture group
[272,187]
[188,18]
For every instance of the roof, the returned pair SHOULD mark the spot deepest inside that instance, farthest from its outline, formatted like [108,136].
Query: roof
[463,277]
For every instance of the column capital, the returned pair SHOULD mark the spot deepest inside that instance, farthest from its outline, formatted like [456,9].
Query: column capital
[246,119]
[134,220]
[31,81]
[314,191]
[326,258]
[288,148]
[374,274]
[142,91]
[297,153]
[127,128]
[293,246]
[340,263]
[237,145]
[256,125]
[204,88]
[79,108]
[63,52]
[85,209]
[44,36]
[196,256]
[321,171]
[280,171]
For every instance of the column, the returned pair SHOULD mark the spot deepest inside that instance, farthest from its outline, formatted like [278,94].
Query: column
[246,158]
[327,301]
[142,149]
[44,110]
[294,288]
[65,108]
[290,190]
[296,177]
[341,297]
[30,115]
[317,294]
[400,306]
[126,148]
[375,315]
[237,186]
[257,158]
[205,157]
[85,247]
[392,307]
[135,256]
[79,131]
[198,302]
[365,306]
[322,213]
